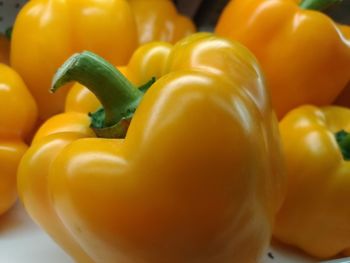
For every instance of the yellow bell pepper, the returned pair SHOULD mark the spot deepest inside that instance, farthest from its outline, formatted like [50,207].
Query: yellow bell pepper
[315,215]
[4,49]
[304,54]
[47,32]
[17,118]
[196,177]
[159,20]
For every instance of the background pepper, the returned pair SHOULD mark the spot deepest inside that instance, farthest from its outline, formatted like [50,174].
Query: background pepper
[315,215]
[304,54]
[158,20]
[47,32]
[201,158]
[17,118]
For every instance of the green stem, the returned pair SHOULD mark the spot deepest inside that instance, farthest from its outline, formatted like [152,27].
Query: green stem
[319,5]
[343,139]
[117,95]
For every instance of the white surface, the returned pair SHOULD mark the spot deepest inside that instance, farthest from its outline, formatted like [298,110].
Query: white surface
[21,241]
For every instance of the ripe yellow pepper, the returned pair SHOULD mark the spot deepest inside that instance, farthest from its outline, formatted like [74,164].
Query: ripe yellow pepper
[304,54]
[47,32]
[196,177]
[316,213]
[4,49]
[159,20]
[17,118]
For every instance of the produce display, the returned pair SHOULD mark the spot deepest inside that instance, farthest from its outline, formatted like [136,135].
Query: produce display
[46,33]
[304,54]
[131,137]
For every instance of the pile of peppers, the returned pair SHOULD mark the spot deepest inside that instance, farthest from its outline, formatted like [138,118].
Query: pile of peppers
[305,56]
[130,137]
[47,32]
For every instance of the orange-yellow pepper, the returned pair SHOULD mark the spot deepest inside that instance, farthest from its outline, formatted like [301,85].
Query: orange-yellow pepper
[159,20]
[4,49]
[17,118]
[196,177]
[316,213]
[47,32]
[304,54]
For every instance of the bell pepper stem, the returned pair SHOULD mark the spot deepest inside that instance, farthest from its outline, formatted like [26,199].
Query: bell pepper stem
[318,4]
[343,140]
[118,96]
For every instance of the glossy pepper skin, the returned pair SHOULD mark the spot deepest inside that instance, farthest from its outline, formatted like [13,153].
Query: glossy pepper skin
[158,20]
[47,32]
[4,49]
[198,177]
[17,118]
[301,64]
[315,215]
